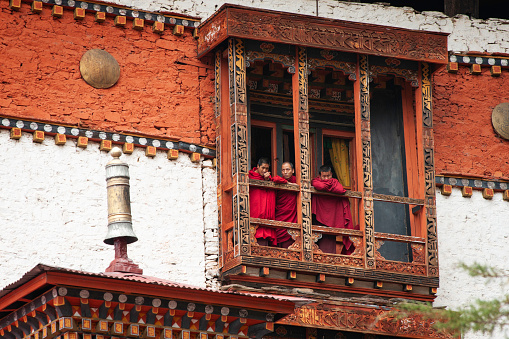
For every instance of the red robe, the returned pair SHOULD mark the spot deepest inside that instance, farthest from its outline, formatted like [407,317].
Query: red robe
[262,204]
[332,211]
[286,208]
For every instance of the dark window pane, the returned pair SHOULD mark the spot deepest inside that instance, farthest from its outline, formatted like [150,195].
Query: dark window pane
[261,140]
[389,169]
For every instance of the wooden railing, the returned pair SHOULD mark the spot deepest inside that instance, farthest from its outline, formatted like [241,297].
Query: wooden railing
[416,267]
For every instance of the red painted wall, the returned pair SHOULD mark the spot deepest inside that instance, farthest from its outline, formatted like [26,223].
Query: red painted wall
[155,95]
[465,140]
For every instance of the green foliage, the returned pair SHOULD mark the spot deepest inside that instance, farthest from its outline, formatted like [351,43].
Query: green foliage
[483,316]
[478,270]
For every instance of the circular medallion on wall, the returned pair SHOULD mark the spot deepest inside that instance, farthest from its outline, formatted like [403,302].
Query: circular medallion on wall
[99,68]
[500,119]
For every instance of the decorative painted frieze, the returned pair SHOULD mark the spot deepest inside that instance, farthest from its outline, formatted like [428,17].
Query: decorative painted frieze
[476,62]
[488,187]
[39,129]
[110,10]
[479,60]
[474,183]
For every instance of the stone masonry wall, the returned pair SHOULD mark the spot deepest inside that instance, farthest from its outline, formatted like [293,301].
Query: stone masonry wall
[471,230]
[489,36]
[160,91]
[53,210]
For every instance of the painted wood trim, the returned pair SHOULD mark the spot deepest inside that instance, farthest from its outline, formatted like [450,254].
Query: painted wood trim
[309,31]
[134,287]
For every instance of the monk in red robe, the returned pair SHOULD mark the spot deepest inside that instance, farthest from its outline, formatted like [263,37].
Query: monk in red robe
[286,204]
[331,211]
[262,203]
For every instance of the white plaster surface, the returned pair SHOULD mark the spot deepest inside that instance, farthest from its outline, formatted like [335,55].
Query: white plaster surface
[466,35]
[53,210]
[471,230]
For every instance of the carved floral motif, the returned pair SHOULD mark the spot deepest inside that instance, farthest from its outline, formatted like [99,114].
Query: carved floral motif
[337,259]
[359,248]
[275,252]
[362,39]
[349,68]
[401,267]
[266,47]
[418,254]
[377,321]
[407,74]
[214,32]
[285,60]
[328,55]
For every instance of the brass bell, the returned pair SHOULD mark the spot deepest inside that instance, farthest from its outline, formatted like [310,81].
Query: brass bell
[119,202]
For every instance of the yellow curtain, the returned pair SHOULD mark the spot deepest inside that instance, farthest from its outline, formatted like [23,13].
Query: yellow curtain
[340,160]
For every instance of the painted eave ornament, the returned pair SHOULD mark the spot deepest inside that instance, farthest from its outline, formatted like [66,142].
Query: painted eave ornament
[99,68]
[500,119]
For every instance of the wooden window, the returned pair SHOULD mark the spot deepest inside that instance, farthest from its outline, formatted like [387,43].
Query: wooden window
[323,109]
[395,166]
[262,143]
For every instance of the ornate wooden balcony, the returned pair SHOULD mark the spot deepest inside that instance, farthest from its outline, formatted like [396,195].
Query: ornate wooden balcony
[249,87]
[343,270]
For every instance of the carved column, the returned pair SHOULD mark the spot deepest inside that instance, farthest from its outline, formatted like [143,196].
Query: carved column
[302,148]
[238,129]
[429,170]
[217,111]
[369,227]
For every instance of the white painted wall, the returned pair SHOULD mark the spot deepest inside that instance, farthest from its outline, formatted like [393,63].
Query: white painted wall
[53,210]
[466,34]
[471,230]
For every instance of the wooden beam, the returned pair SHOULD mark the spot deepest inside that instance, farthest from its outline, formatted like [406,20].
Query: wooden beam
[63,309]
[168,318]
[24,327]
[220,324]
[186,320]
[118,312]
[235,326]
[42,318]
[259,330]
[134,313]
[331,287]
[151,316]
[34,323]
[301,30]
[23,290]
[50,311]
[204,321]
[103,310]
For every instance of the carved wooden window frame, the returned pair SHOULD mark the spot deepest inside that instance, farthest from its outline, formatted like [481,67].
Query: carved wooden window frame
[233,184]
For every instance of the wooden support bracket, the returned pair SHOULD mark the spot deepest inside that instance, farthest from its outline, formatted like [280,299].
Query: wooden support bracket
[264,271]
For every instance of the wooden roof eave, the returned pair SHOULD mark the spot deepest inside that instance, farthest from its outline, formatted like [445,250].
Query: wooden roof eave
[310,31]
[50,279]
[162,291]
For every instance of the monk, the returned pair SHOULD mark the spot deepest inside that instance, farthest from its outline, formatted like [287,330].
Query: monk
[331,211]
[286,204]
[262,203]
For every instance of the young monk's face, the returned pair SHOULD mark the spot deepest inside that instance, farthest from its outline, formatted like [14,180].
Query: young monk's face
[326,175]
[287,170]
[262,169]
